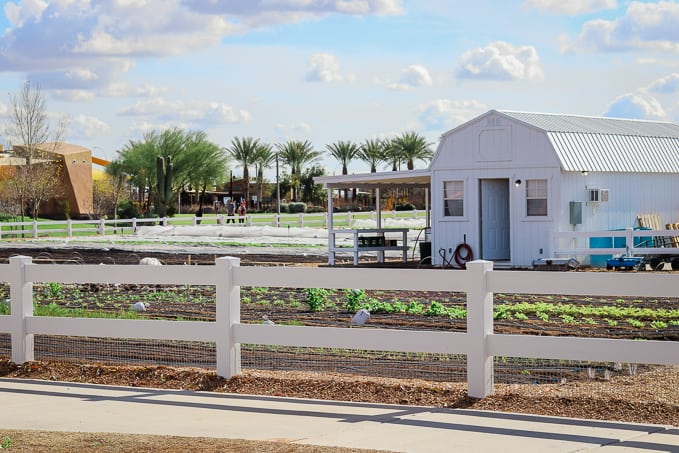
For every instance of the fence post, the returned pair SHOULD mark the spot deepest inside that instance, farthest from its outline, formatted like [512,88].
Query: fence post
[35,229]
[227,314]
[629,241]
[102,227]
[21,300]
[301,220]
[479,326]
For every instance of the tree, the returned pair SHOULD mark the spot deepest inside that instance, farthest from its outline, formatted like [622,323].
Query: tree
[297,154]
[264,157]
[409,147]
[117,181]
[138,159]
[164,180]
[34,140]
[9,202]
[372,153]
[312,192]
[344,152]
[392,155]
[195,161]
[102,198]
[207,162]
[244,150]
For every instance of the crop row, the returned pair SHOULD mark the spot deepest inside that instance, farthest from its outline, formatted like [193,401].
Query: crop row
[54,299]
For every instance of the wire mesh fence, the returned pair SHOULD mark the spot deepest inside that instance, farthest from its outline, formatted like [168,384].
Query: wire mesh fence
[425,366]
[517,370]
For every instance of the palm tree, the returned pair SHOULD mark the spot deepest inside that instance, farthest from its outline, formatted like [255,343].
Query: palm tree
[297,154]
[411,146]
[264,157]
[243,150]
[344,152]
[392,154]
[372,153]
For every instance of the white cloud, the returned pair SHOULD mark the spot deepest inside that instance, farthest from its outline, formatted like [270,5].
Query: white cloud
[26,10]
[84,126]
[666,85]
[500,61]
[325,67]
[645,26]
[219,113]
[570,7]
[188,113]
[73,95]
[637,106]
[413,76]
[119,89]
[287,10]
[293,128]
[444,114]
[51,38]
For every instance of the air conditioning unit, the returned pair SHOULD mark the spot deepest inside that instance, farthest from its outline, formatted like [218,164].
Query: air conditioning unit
[597,195]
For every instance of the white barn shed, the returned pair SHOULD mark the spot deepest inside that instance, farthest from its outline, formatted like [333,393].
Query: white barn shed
[505,181]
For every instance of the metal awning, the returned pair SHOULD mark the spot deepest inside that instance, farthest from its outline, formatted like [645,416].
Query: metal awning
[381,180]
[376,181]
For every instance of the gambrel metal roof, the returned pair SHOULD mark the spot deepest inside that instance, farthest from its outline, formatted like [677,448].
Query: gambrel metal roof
[585,143]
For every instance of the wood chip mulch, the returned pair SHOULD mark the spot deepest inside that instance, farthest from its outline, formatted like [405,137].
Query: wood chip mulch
[651,397]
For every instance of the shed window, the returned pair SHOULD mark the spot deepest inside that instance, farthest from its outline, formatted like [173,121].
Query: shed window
[536,197]
[453,198]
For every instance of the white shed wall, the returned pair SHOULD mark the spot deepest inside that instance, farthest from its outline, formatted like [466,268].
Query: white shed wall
[630,194]
[474,152]
[496,147]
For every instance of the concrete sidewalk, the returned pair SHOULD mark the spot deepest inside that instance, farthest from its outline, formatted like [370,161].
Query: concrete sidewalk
[59,406]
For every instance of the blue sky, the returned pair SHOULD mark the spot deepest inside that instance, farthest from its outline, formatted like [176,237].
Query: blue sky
[330,70]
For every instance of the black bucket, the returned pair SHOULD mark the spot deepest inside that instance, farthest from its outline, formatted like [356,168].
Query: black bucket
[425,250]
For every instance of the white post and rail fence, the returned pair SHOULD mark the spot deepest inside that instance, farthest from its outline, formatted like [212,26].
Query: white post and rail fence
[478,343]
[108,227]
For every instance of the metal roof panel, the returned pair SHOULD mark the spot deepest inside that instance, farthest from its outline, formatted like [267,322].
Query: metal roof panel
[616,153]
[595,125]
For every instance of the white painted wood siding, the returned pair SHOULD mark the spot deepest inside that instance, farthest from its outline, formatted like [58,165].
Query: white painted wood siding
[527,155]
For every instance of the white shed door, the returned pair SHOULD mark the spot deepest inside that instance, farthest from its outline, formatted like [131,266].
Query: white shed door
[495,219]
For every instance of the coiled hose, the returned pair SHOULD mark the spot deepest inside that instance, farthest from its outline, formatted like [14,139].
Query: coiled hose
[462,254]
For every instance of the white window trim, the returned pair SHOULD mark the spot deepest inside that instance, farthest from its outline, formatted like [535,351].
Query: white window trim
[465,201]
[524,202]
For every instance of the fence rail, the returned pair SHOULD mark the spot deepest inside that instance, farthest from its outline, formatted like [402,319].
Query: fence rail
[104,227]
[478,343]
